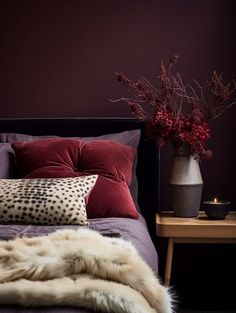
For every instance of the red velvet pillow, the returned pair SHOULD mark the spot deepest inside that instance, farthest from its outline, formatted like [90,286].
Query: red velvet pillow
[59,157]
[47,158]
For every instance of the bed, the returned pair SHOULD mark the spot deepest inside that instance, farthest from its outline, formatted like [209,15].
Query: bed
[140,231]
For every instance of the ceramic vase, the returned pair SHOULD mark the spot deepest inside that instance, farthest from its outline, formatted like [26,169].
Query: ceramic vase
[186,185]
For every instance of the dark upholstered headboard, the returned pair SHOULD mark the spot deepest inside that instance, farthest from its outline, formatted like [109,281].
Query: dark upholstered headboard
[148,153]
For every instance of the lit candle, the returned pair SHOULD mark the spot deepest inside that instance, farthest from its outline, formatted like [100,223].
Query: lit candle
[215,201]
[216,209]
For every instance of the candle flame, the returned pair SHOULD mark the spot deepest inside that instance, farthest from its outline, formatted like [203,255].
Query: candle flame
[215,200]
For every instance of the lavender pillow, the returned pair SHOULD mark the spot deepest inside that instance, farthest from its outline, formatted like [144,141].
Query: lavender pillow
[7,160]
[11,137]
[129,138]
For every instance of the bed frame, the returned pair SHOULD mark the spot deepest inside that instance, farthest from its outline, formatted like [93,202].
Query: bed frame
[148,153]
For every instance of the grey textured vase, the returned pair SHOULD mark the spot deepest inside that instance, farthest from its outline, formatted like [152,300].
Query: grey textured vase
[186,186]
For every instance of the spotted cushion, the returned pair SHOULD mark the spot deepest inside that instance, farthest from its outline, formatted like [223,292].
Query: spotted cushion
[51,201]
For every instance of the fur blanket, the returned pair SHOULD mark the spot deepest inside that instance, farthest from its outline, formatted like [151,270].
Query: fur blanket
[79,268]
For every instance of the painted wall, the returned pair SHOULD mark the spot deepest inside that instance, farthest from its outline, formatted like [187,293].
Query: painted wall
[57,58]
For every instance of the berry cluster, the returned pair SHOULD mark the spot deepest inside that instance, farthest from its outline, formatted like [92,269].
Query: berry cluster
[178,112]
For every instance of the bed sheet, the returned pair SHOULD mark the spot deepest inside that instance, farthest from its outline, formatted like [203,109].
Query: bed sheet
[133,230]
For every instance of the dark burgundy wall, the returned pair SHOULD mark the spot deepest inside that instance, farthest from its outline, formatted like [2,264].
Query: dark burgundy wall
[57,58]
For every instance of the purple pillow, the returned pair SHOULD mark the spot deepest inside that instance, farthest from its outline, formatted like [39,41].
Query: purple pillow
[7,160]
[129,138]
[11,137]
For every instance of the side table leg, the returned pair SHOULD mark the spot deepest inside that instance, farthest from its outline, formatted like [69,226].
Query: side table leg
[169,258]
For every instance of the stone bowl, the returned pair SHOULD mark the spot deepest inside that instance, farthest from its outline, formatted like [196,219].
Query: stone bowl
[216,211]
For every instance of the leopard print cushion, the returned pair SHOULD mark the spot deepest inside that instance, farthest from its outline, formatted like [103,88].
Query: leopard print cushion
[50,201]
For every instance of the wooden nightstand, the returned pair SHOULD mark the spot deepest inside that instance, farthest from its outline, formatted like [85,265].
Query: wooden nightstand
[199,229]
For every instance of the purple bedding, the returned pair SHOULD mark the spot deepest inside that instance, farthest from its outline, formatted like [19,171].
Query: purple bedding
[129,229]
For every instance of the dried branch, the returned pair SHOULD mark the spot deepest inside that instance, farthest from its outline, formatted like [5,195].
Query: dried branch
[180,113]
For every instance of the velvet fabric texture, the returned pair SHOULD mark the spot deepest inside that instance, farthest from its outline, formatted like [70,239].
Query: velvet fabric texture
[59,157]
[129,138]
[48,158]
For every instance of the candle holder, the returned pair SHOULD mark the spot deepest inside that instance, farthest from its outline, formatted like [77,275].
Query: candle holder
[216,210]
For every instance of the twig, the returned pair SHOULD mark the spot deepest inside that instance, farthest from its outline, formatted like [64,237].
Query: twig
[194,92]
[222,110]
[201,90]
[126,99]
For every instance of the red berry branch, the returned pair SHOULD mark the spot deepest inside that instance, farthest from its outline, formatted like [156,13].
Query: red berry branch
[176,111]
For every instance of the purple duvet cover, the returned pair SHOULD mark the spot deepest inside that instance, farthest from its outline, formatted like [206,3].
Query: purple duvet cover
[128,229]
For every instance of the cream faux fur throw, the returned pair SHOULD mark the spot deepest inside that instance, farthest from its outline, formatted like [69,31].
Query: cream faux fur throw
[79,268]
